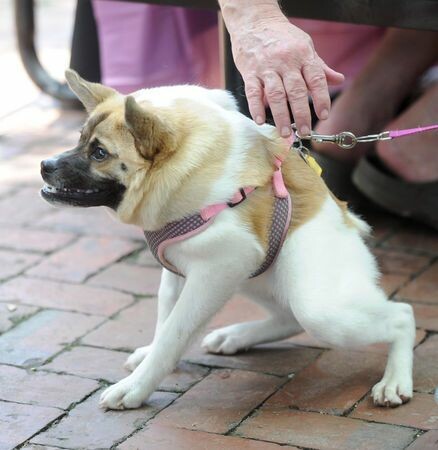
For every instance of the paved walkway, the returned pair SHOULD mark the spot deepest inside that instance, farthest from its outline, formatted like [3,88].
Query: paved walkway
[77,294]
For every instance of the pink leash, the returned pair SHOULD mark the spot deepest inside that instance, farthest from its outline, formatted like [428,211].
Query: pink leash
[401,133]
[348,140]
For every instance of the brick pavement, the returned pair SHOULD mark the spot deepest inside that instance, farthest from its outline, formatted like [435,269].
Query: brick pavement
[77,294]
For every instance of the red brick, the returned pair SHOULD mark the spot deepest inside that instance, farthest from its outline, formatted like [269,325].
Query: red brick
[92,222]
[415,238]
[426,365]
[12,263]
[23,207]
[322,432]
[423,288]
[420,412]
[156,437]
[43,389]
[11,314]
[85,257]
[38,447]
[19,422]
[428,441]
[396,262]
[333,383]
[391,282]
[70,297]
[88,426]
[133,327]
[26,239]
[220,401]
[82,361]
[426,316]
[33,341]
[130,278]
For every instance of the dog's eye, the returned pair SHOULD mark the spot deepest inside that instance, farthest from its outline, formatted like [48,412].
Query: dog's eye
[99,154]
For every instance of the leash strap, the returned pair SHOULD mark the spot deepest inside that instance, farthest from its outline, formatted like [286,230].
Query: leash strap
[348,140]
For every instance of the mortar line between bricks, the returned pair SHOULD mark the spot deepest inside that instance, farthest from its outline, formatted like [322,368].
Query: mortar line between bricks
[21,320]
[414,275]
[118,260]
[257,407]
[76,342]
[417,435]
[15,275]
[58,419]
[91,286]
[86,278]
[52,308]
[179,395]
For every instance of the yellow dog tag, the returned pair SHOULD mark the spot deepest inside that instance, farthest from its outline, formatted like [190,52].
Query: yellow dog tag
[313,164]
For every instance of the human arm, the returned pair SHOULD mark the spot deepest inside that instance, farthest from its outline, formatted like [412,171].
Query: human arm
[278,63]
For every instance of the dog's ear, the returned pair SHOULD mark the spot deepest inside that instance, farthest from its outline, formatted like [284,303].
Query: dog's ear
[90,94]
[151,134]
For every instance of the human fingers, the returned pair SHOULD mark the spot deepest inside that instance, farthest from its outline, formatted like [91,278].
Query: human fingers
[254,96]
[317,84]
[277,100]
[297,95]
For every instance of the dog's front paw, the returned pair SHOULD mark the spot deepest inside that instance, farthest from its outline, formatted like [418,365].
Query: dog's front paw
[136,358]
[393,391]
[126,394]
[221,341]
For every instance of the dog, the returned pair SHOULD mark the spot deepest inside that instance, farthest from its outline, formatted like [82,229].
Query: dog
[161,154]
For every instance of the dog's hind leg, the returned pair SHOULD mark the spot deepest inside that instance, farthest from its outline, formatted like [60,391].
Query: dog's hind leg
[369,322]
[330,281]
[241,336]
[168,293]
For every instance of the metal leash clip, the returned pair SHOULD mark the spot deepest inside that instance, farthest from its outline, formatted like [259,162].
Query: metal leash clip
[345,139]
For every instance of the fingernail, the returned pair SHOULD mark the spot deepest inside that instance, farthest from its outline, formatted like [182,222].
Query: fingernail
[259,120]
[285,132]
[304,131]
[324,114]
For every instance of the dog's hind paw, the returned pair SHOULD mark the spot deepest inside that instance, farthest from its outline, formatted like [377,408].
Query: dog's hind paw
[221,342]
[392,391]
[126,394]
[136,358]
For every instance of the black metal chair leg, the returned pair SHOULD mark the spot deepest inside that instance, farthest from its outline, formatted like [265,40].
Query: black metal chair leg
[85,57]
[25,27]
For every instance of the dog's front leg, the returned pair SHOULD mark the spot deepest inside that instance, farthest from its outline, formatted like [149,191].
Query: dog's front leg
[168,293]
[203,294]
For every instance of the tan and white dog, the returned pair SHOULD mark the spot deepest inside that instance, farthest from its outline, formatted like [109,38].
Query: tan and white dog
[167,152]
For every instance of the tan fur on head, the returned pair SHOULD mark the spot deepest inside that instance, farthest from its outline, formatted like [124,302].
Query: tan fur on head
[90,94]
[150,134]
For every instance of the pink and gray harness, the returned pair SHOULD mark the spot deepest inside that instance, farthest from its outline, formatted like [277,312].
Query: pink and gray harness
[192,225]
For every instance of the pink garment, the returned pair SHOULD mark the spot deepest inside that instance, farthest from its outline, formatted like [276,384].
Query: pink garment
[147,45]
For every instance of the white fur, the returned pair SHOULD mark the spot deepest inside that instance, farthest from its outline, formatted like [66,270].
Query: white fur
[324,281]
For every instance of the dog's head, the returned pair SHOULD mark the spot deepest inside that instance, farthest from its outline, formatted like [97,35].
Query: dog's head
[118,144]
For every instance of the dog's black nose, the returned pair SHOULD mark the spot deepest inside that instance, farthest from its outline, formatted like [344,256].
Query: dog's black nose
[48,166]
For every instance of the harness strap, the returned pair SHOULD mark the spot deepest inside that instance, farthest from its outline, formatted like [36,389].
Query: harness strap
[187,227]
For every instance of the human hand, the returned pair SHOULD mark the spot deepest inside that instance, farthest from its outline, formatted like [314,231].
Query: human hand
[279,65]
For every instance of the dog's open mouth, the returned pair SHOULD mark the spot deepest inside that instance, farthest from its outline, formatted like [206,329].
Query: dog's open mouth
[109,195]
[67,192]
[71,196]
